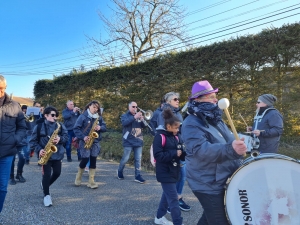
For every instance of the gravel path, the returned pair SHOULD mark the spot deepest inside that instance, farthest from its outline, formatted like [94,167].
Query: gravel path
[123,202]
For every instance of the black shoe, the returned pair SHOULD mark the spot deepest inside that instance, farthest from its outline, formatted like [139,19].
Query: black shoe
[120,175]
[183,206]
[69,160]
[139,179]
[20,178]
[27,162]
[12,181]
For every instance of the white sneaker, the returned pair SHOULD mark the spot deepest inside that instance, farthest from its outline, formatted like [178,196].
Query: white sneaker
[162,221]
[47,200]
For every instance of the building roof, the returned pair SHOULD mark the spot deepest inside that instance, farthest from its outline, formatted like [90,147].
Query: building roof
[23,101]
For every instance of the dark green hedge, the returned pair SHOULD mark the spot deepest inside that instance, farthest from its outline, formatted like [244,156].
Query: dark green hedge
[242,68]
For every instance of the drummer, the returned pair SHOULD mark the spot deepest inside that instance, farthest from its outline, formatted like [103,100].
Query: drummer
[212,153]
[268,124]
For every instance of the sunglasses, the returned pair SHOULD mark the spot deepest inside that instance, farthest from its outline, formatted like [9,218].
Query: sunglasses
[257,102]
[53,115]
[175,99]
[134,106]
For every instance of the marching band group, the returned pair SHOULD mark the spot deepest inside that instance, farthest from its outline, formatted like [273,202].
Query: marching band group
[210,156]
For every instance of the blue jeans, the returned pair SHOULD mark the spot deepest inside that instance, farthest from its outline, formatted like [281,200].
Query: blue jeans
[169,198]
[181,182]
[21,161]
[213,209]
[71,135]
[5,166]
[137,159]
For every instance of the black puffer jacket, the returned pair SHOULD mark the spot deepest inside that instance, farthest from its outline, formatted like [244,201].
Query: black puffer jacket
[12,127]
[167,161]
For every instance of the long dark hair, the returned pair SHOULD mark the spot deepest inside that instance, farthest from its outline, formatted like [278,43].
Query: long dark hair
[169,117]
[94,102]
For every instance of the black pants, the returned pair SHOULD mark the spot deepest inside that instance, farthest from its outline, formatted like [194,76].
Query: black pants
[49,178]
[84,161]
[213,209]
[21,161]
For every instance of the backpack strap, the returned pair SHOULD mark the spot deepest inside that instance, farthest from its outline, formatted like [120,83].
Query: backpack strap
[163,140]
[38,131]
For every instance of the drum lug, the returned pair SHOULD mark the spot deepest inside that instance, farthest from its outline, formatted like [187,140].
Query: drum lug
[227,182]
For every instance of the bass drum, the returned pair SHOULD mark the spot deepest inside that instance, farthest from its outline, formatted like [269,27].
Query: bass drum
[265,190]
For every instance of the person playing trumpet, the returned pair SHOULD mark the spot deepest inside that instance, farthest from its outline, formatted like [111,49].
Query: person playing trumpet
[88,124]
[70,115]
[132,141]
[41,134]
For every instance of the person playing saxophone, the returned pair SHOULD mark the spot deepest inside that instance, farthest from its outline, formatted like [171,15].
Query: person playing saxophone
[88,129]
[41,135]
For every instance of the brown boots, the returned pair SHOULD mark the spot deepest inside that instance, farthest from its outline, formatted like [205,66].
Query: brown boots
[92,183]
[78,177]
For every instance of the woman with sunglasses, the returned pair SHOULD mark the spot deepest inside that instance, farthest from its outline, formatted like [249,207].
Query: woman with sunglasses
[39,139]
[172,102]
[268,124]
[82,128]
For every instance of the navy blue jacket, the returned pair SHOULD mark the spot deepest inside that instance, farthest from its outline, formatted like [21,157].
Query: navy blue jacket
[12,127]
[46,131]
[31,125]
[84,124]
[132,131]
[210,157]
[69,118]
[270,120]
[167,161]
[161,120]
[153,120]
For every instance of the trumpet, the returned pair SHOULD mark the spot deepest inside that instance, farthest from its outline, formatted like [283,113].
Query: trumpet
[147,115]
[29,118]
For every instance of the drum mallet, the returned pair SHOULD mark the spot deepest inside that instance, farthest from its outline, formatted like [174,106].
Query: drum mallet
[224,104]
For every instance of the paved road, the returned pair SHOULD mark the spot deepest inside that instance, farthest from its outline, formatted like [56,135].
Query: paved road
[117,202]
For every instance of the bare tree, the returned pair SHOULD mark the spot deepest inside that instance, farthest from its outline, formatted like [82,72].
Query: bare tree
[138,27]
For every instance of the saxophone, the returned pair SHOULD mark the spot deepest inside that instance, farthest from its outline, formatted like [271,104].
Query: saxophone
[92,135]
[50,148]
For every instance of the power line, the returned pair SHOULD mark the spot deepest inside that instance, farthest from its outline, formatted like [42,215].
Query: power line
[94,64]
[78,49]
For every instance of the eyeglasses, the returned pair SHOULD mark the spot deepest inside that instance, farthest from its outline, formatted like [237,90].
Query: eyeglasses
[175,99]
[257,102]
[53,115]
[134,106]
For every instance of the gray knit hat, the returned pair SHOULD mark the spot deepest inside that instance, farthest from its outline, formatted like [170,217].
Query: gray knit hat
[268,99]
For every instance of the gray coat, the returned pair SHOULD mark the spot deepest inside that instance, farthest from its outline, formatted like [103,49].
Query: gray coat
[69,118]
[84,124]
[12,127]
[38,145]
[160,118]
[271,122]
[210,158]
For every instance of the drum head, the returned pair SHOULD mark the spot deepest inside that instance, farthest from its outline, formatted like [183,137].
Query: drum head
[265,192]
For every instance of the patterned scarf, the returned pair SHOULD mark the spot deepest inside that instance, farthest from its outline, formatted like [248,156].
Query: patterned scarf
[210,111]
